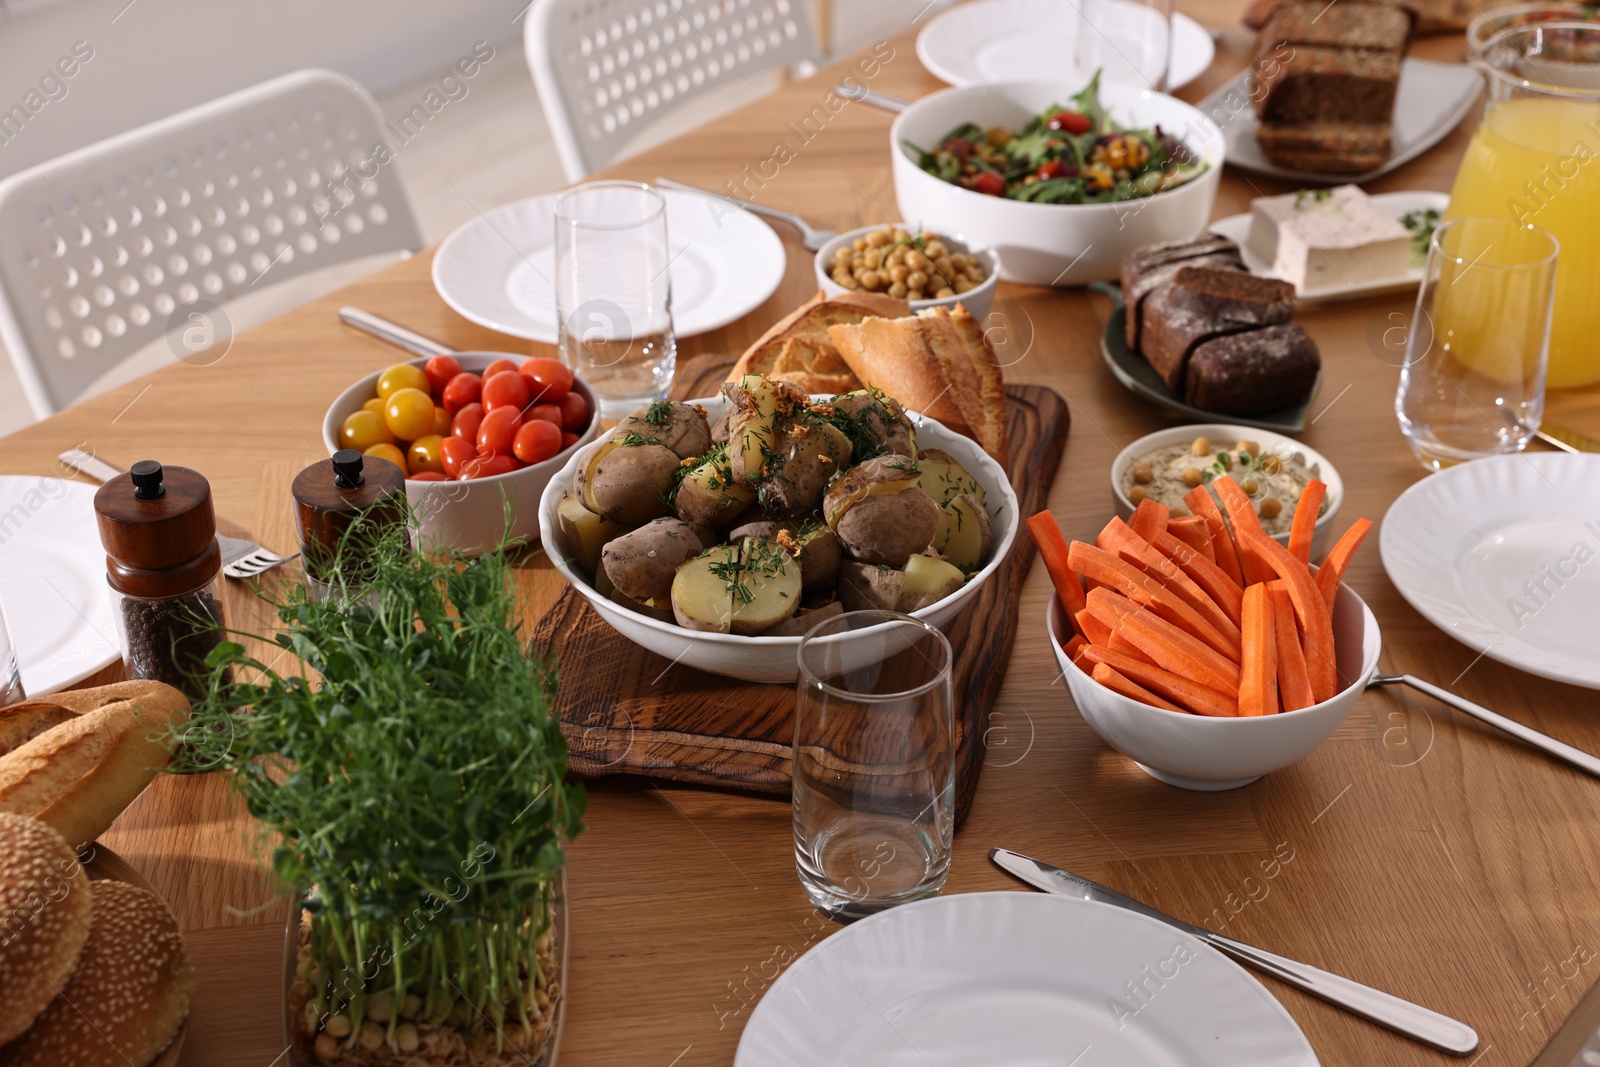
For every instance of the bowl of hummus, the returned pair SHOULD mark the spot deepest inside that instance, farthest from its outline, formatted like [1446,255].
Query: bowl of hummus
[1166,465]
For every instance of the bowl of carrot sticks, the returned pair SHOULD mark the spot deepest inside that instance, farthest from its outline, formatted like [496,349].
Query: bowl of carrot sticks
[1209,661]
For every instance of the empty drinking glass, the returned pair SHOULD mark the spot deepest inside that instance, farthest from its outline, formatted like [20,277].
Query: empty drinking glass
[874,763]
[1473,380]
[10,677]
[614,292]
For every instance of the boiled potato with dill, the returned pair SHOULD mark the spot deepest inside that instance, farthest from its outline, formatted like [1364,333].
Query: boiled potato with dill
[628,479]
[642,563]
[964,534]
[797,625]
[881,420]
[869,586]
[928,580]
[707,493]
[585,531]
[944,478]
[701,599]
[782,448]
[679,426]
[768,587]
[879,511]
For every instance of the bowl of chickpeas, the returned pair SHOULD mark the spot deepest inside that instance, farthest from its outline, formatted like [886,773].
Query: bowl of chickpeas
[1272,469]
[912,264]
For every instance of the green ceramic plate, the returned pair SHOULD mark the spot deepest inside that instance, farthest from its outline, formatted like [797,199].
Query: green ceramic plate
[1133,371]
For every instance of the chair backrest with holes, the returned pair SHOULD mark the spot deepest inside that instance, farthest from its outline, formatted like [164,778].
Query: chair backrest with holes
[105,249]
[605,68]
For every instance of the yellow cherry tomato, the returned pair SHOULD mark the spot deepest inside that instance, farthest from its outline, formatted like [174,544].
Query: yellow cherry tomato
[390,453]
[375,404]
[401,376]
[363,429]
[409,413]
[426,454]
[441,421]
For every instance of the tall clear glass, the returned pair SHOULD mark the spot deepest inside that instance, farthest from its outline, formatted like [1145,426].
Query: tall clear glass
[10,676]
[614,292]
[1129,41]
[874,763]
[1474,374]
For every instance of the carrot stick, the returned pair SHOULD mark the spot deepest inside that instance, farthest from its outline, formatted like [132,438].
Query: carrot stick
[1194,531]
[1305,520]
[1204,573]
[1120,540]
[1090,626]
[1071,647]
[1141,588]
[1053,550]
[1338,559]
[1294,684]
[1179,690]
[1150,518]
[1316,622]
[1119,643]
[1118,610]
[1119,683]
[1200,502]
[1258,670]
[1242,517]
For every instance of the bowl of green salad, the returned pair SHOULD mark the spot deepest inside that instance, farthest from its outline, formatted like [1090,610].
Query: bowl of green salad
[1061,181]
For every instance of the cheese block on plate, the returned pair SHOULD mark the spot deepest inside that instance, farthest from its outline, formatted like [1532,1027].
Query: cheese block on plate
[1329,238]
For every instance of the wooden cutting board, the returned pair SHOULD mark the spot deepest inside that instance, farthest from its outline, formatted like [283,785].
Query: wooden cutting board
[628,711]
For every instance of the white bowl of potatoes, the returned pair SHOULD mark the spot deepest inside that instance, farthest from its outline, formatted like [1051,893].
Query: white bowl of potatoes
[730,578]
[969,273]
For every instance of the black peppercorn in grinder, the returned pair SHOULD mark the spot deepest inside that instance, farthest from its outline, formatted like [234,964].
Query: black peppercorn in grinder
[164,568]
[343,507]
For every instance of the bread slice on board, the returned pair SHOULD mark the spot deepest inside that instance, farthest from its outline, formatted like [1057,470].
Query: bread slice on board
[1330,84]
[797,348]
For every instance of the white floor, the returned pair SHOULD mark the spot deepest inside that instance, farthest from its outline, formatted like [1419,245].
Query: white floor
[496,148]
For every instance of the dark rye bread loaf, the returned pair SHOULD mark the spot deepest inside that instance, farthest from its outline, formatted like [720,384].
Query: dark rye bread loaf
[1325,84]
[1328,147]
[1203,303]
[1347,24]
[1430,16]
[1254,372]
[1147,269]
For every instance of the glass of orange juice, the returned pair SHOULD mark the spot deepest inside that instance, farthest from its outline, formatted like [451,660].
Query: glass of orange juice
[1535,158]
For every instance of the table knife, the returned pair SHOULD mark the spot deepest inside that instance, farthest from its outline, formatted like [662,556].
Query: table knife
[1565,439]
[1403,1017]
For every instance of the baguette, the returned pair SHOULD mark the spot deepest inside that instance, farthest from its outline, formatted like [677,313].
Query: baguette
[21,723]
[797,348]
[80,775]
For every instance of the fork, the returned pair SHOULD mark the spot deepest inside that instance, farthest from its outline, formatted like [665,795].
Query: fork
[811,237]
[240,558]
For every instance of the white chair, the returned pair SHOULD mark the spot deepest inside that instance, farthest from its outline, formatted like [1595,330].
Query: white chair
[605,68]
[105,249]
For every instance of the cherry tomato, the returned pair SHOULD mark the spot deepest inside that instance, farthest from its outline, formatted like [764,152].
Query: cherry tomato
[988,183]
[499,366]
[497,431]
[375,404]
[440,369]
[466,423]
[568,440]
[1058,168]
[390,453]
[424,455]
[409,414]
[456,452]
[505,391]
[574,412]
[401,376]
[550,413]
[363,429]
[488,466]
[548,379]
[442,421]
[537,441]
[463,389]
[1074,122]
[426,476]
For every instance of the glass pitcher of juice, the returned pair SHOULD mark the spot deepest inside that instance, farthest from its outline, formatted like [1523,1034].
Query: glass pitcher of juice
[1536,158]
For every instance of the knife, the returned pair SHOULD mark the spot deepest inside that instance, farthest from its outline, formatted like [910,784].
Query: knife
[1565,439]
[1403,1017]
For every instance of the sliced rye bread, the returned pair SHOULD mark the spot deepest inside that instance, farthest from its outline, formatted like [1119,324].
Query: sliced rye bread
[1327,147]
[1327,84]
[1147,269]
[1203,303]
[1253,372]
[1431,16]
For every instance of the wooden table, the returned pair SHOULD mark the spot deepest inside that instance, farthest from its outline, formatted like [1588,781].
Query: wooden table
[1430,857]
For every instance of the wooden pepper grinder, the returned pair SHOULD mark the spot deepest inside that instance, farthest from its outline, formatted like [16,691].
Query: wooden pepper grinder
[164,568]
[329,496]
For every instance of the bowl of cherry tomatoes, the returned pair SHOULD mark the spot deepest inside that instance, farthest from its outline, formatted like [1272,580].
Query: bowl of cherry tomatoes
[478,435]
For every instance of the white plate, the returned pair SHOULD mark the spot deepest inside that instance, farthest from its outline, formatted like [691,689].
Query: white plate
[1236,228]
[1027,40]
[1432,99]
[1017,980]
[53,582]
[499,269]
[1461,544]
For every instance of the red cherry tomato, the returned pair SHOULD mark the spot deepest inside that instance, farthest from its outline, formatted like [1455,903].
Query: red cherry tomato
[440,369]
[574,412]
[988,183]
[488,466]
[426,476]
[463,389]
[548,379]
[465,424]
[1058,168]
[537,441]
[456,452]
[550,413]
[505,391]
[499,366]
[1074,122]
[497,431]
[568,440]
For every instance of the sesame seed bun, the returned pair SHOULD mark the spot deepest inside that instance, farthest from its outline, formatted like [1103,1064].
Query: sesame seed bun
[129,995]
[44,919]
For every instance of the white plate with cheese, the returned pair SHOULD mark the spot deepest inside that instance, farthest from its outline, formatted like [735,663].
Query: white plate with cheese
[1354,276]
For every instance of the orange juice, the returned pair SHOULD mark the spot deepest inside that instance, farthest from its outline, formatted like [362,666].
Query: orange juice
[1538,160]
